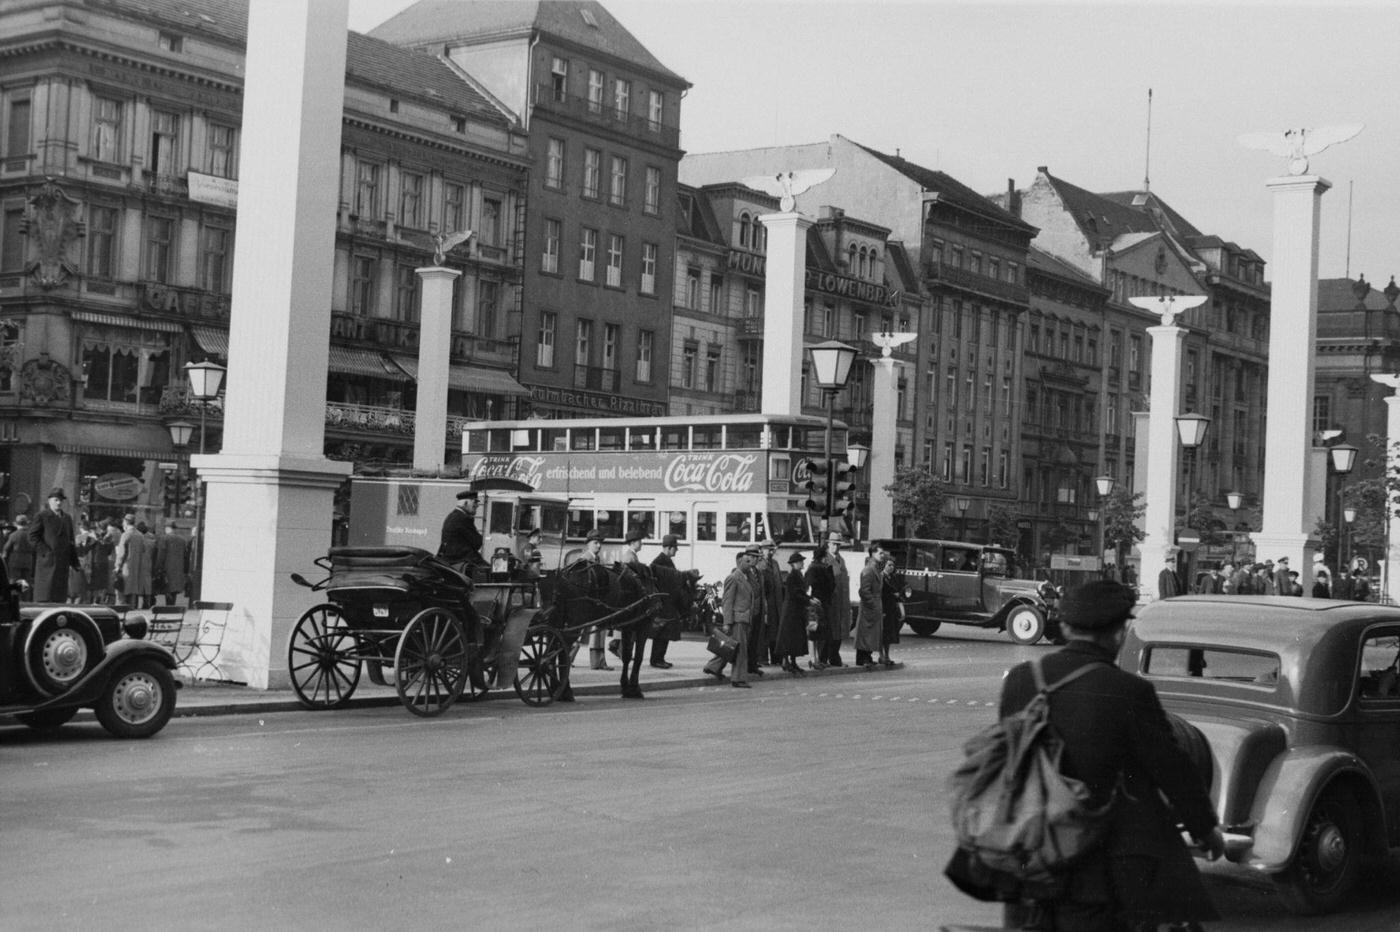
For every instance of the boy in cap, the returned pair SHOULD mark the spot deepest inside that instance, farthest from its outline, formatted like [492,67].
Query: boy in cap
[1118,741]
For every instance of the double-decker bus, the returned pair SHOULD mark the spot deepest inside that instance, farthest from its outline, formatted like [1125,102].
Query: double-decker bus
[719,483]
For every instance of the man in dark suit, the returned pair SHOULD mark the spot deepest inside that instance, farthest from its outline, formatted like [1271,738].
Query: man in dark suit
[461,541]
[1168,582]
[670,546]
[55,549]
[1114,729]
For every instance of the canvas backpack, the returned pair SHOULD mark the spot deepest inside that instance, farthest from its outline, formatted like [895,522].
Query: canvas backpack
[1020,821]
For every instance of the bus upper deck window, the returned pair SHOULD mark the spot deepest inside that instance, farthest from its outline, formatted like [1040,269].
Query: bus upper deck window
[476,441]
[675,438]
[611,438]
[706,437]
[500,440]
[641,438]
[583,438]
[743,437]
[554,438]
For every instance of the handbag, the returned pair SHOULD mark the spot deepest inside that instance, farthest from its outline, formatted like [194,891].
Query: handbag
[723,645]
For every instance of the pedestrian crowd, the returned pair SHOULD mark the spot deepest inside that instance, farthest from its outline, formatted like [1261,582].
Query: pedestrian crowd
[1271,577]
[799,618]
[88,561]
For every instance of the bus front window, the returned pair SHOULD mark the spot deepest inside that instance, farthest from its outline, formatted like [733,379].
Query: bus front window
[790,527]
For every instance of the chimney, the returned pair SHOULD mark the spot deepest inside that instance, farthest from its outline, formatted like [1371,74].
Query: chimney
[1013,197]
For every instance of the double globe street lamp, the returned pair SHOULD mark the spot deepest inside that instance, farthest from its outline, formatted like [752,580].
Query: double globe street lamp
[1104,486]
[1343,460]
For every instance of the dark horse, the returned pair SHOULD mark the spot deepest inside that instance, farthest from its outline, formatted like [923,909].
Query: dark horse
[631,598]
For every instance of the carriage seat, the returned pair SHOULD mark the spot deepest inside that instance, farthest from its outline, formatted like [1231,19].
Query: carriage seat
[396,569]
[366,557]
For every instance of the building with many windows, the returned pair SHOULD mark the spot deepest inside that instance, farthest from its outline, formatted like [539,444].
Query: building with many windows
[119,127]
[603,119]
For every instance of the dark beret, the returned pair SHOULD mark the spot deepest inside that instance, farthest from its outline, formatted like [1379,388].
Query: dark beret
[466,496]
[796,557]
[1097,605]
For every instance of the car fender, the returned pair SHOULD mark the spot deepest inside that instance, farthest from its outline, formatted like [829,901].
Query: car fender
[1289,788]
[119,653]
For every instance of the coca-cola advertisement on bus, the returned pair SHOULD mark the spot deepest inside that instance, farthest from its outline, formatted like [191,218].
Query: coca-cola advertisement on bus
[704,473]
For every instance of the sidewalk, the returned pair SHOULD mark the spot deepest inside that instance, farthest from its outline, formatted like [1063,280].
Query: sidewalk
[688,656]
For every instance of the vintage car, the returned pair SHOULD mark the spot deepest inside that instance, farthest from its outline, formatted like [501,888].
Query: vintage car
[57,659]
[959,583]
[1292,711]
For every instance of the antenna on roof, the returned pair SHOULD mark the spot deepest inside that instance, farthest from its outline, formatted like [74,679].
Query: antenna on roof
[1147,165]
[1350,185]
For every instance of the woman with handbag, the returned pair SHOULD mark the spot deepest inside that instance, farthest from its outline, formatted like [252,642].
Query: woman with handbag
[792,626]
[821,582]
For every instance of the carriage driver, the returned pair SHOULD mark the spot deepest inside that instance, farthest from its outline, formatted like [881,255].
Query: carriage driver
[461,541]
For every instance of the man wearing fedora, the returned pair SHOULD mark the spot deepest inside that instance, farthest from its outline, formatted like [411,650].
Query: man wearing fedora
[55,549]
[1117,740]
[461,541]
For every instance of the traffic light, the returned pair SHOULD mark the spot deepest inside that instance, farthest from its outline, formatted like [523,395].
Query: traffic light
[817,486]
[842,488]
[167,491]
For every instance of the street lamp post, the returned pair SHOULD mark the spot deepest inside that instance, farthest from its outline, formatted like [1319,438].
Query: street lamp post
[1349,515]
[831,368]
[1191,430]
[1234,500]
[205,379]
[1104,484]
[180,433]
[1343,458]
[856,455]
[962,503]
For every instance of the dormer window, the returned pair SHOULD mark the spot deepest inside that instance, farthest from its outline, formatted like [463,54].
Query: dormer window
[169,41]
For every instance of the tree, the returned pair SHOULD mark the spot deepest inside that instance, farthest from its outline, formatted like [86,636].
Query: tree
[918,496]
[1001,526]
[1122,510]
[1206,522]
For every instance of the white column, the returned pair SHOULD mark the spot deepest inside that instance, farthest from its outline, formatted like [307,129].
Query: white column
[784,283]
[270,490]
[1289,512]
[1163,452]
[1392,468]
[880,463]
[434,346]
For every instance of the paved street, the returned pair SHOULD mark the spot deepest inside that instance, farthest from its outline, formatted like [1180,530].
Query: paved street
[799,804]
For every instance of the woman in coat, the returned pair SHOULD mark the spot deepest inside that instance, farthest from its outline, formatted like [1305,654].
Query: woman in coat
[792,625]
[821,580]
[133,564]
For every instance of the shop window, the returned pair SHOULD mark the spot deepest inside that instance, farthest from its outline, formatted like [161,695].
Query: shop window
[124,372]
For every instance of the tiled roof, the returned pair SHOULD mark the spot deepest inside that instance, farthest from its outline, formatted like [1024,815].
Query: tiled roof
[442,21]
[1039,260]
[1180,226]
[1335,294]
[905,278]
[699,222]
[949,188]
[366,59]
[1101,219]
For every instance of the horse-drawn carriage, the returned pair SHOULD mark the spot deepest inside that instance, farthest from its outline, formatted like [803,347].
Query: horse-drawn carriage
[444,633]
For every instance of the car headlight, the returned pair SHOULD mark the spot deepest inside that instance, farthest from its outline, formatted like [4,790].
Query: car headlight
[135,625]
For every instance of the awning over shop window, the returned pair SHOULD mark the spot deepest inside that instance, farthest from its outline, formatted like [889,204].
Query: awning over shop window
[213,342]
[360,362]
[471,378]
[118,320]
[139,441]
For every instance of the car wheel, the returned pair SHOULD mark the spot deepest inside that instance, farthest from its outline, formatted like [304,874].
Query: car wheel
[138,701]
[924,629]
[1025,624]
[1327,863]
[62,647]
[48,719]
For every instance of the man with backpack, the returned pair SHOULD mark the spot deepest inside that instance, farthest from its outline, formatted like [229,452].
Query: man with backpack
[1119,862]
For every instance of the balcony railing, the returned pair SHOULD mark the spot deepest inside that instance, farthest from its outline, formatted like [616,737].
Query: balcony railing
[603,114]
[973,281]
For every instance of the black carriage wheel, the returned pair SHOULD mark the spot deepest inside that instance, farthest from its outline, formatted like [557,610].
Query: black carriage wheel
[430,664]
[63,645]
[321,659]
[538,676]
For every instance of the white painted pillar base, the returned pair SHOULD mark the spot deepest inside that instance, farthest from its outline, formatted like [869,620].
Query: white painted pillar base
[784,285]
[1159,471]
[1292,337]
[882,443]
[270,490]
[434,350]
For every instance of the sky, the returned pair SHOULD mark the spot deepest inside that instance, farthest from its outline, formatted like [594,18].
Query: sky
[990,91]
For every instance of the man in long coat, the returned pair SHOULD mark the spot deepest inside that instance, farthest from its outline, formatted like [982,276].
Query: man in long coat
[169,562]
[55,549]
[1118,741]
[839,618]
[132,562]
[670,546]
[764,636]
[870,623]
[741,602]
